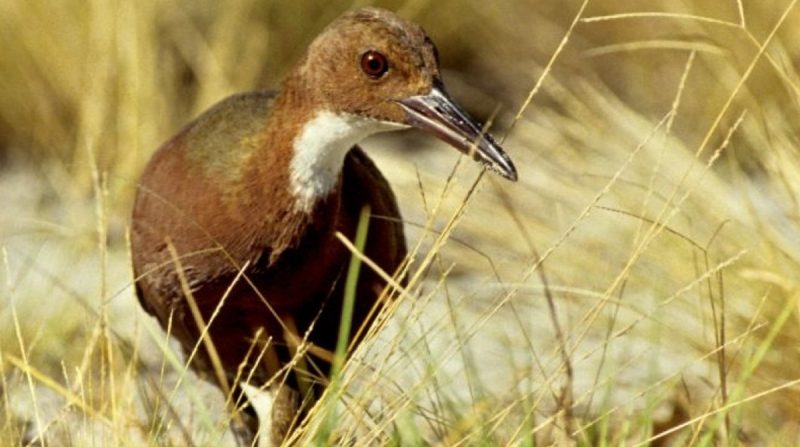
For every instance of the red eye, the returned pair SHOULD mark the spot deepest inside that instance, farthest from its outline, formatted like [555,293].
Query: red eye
[374,64]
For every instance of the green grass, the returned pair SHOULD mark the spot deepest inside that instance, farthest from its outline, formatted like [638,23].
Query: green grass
[640,278]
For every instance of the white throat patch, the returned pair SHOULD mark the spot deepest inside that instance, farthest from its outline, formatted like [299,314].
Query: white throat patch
[319,152]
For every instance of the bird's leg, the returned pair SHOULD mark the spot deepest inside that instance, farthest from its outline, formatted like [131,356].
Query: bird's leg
[245,423]
[269,416]
[285,407]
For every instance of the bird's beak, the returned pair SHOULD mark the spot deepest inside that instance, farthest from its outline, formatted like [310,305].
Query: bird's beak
[438,114]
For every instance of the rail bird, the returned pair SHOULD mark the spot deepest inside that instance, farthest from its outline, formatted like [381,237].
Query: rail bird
[234,222]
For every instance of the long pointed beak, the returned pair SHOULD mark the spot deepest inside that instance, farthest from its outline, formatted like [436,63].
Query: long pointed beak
[438,114]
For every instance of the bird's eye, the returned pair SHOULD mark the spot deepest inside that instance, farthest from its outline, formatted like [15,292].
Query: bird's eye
[374,64]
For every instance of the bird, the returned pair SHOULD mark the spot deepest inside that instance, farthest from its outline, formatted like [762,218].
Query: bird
[234,222]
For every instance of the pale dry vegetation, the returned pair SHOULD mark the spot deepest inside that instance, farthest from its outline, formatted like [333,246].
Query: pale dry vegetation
[638,285]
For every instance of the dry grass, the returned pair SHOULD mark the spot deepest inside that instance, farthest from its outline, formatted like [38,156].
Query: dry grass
[637,285]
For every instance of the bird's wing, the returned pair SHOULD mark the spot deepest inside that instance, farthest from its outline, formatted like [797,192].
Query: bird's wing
[182,213]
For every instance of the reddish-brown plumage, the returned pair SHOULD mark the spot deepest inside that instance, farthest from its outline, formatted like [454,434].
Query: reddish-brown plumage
[219,222]
[222,194]
[222,217]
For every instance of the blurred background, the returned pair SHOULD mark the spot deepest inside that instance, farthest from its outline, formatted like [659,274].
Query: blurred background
[638,284]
